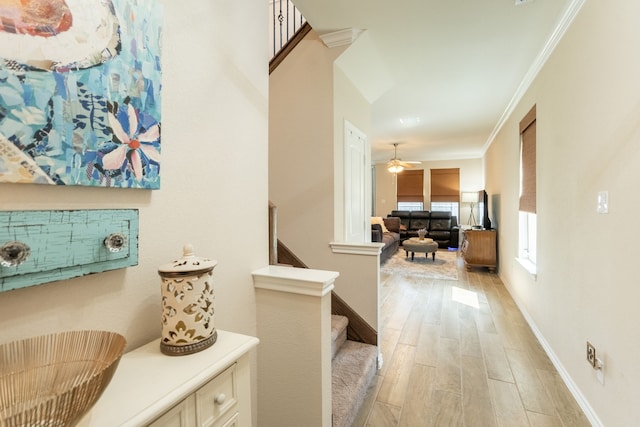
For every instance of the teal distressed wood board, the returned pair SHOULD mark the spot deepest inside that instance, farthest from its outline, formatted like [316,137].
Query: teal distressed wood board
[66,244]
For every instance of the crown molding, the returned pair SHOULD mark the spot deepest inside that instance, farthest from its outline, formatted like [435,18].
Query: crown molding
[340,37]
[536,66]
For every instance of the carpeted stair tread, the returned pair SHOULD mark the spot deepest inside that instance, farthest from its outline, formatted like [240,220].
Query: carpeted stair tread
[352,371]
[338,333]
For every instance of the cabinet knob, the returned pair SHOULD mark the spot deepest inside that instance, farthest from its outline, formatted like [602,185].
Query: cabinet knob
[220,398]
[115,242]
[14,253]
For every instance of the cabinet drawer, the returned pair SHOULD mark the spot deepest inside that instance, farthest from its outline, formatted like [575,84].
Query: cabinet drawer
[180,415]
[233,421]
[216,398]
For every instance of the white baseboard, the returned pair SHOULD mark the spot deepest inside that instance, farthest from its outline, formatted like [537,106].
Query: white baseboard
[573,388]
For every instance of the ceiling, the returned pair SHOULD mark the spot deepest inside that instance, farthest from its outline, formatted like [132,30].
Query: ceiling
[439,74]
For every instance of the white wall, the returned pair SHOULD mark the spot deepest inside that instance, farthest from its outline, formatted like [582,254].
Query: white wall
[588,139]
[385,191]
[310,99]
[301,172]
[350,105]
[213,192]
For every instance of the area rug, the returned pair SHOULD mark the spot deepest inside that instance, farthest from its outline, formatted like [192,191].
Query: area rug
[444,266]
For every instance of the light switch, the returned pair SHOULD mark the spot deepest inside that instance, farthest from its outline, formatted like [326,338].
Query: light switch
[603,202]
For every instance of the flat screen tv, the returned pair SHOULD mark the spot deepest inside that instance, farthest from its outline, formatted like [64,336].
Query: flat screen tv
[483,210]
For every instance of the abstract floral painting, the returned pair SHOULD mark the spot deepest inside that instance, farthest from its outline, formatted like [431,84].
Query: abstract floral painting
[80,84]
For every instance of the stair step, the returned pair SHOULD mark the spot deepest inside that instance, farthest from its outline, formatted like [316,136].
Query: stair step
[353,370]
[338,333]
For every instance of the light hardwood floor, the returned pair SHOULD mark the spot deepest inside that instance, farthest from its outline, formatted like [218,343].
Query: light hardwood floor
[460,353]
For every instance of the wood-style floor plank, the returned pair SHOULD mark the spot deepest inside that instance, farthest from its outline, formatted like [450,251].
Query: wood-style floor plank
[411,329]
[415,409]
[383,415]
[507,404]
[567,408]
[542,420]
[471,361]
[448,374]
[476,400]
[533,394]
[495,358]
[450,325]
[389,341]
[469,339]
[396,380]
[428,345]
[445,409]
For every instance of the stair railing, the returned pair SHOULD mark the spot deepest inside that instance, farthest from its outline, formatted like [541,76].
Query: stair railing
[273,234]
[280,254]
[288,28]
[286,20]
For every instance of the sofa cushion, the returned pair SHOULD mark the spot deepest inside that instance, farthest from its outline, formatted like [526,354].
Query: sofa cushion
[419,219]
[405,217]
[440,235]
[440,224]
[378,220]
[441,220]
[393,224]
[376,233]
[389,238]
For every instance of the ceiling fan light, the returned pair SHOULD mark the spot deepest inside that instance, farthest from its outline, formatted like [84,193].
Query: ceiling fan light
[395,168]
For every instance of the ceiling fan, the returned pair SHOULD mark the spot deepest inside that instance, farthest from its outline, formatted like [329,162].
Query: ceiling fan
[396,165]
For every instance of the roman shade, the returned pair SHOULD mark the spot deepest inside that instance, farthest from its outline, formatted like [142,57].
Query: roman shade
[410,186]
[528,162]
[445,185]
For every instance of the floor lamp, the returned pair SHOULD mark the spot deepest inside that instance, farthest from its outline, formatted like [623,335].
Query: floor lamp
[471,198]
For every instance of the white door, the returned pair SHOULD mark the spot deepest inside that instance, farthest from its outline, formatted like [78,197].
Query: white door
[356,170]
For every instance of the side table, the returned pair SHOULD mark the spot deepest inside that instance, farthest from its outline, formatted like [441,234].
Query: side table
[479,249]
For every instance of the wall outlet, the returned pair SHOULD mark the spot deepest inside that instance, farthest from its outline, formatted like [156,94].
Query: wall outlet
[591,355]
[603,202]
[600,369]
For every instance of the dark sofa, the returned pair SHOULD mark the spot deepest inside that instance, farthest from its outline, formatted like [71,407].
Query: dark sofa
[391,238]
[442,227]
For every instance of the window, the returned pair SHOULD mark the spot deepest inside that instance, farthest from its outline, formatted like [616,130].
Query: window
[527,238]
[410,189]
[410,206]
[445,190]
[452,207]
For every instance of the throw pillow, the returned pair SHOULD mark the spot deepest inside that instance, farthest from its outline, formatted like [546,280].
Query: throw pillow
[379,220]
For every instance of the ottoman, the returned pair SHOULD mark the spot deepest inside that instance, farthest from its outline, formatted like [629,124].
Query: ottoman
[426,246]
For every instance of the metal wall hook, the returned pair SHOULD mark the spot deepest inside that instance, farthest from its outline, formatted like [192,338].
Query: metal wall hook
[115,242]
[14,253]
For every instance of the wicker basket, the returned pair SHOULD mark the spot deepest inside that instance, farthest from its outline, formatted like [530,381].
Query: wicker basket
[53,380]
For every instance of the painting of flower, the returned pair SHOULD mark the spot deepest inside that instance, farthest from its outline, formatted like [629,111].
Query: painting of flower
[80,84]
[137,148]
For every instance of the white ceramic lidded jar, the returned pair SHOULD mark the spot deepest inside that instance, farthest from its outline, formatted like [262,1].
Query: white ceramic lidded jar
[187,304]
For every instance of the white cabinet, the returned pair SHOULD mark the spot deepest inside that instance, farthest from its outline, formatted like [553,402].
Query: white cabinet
[211,388]
[217,399]
[214,404]
[181,415]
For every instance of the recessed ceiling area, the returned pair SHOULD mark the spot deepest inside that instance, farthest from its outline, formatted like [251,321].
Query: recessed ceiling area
[439,74]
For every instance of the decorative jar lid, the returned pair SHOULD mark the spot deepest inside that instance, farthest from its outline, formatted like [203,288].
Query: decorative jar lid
[188,264]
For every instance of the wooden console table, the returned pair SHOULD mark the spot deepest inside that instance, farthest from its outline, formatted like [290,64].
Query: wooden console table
[479,249]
